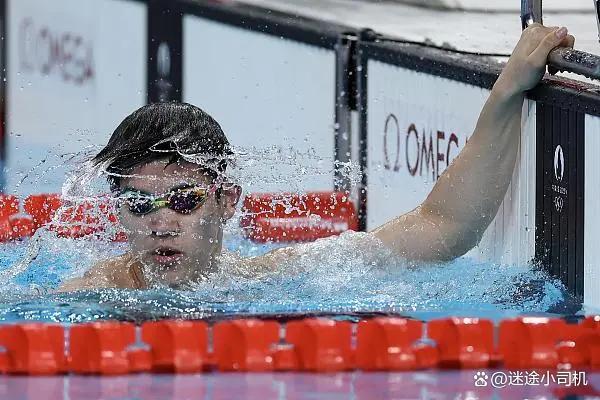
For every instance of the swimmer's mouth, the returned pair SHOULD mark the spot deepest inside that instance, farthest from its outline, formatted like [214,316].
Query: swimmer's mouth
[166,255]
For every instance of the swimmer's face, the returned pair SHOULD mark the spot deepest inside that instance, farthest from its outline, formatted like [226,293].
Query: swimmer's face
[176,247]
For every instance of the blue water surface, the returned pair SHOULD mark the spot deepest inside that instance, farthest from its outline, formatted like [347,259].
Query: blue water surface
[347,276]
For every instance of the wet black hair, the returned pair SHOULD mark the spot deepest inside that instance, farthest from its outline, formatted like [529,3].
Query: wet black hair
[164,131]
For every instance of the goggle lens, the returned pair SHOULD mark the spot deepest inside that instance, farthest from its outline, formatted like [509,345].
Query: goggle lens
[188,201]
[140,204]
[182,201]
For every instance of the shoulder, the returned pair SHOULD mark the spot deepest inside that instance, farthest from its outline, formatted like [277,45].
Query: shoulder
[115,272]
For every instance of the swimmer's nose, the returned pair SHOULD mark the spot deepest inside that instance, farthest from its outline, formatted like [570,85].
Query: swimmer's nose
[163,224]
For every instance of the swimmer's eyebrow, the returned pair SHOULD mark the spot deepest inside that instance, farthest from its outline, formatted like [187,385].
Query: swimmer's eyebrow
[183,186]
[176,187]
[132,189]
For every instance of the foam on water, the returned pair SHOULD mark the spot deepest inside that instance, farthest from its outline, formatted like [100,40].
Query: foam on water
[352,274]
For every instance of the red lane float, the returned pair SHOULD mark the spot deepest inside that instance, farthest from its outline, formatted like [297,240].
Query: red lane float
[42,207]
[177,346]
[11,226]
[254,347]
[9,205]
[463,342]
[297,217]
[530,342]
[140,360]
[321,345]
[388,344]
[313,344]
[580,344]
[100,348]
[33,348]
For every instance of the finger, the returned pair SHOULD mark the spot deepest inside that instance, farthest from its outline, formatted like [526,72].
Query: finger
[553,39]
[569,41]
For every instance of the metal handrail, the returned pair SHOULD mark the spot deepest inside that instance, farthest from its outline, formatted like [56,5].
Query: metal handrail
[597,8]
[564,59]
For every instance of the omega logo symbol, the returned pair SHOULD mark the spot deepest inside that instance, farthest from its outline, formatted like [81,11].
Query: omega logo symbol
[52,51]
[386,165]
[559,163]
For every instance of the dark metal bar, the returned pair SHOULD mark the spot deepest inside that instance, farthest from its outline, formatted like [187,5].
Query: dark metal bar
[579,62]
[597,8]
[344,101]
[362,62]
[563,59]
[531,11]
[553,213]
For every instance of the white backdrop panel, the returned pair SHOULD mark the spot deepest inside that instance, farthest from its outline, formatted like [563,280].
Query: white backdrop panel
[429,120]
[510,239]
[76,68]
[265,91]
[591,228]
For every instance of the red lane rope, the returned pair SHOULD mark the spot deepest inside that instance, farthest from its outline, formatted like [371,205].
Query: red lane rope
[267,217]
[308,345]
[284,217]
[66,219]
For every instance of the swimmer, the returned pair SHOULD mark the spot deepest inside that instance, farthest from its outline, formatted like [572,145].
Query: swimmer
[166,164]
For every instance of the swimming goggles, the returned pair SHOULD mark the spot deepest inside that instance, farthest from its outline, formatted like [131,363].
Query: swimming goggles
[182,200]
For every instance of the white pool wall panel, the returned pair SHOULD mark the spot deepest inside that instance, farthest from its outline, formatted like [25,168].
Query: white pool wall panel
[591,274]
[439,109]
[266,92]
[72,77]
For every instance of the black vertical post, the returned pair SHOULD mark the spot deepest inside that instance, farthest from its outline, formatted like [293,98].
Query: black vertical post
[554,214]
[531,11]
[345,103]
[361,94]
[165,47]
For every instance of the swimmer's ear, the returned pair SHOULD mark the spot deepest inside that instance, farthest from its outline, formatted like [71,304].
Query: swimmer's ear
[230,197]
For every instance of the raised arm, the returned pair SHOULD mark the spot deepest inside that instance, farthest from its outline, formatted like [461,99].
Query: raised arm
[466,197]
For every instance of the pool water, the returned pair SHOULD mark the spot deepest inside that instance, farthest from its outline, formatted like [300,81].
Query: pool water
[349,276]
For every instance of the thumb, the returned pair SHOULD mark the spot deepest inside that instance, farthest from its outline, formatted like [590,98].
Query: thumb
[553,39]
